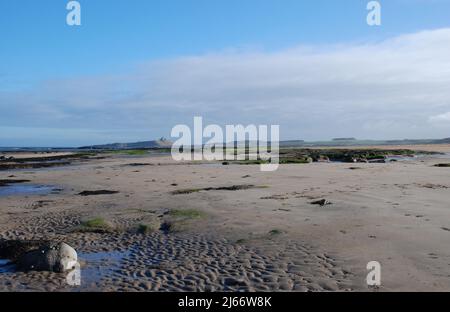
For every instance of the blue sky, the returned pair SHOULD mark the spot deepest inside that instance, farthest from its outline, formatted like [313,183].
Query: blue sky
[61,85]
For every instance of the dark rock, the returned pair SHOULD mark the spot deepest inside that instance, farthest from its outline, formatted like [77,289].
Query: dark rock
[139,164]
[321,158]
[377,161]
[321,202]
[4,182]
[359,160]
[99,192]
[442,165]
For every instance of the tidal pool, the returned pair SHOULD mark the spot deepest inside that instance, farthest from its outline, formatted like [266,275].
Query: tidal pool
[25,189]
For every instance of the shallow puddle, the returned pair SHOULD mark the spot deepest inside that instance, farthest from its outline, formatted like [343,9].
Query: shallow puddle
[94,267]
[402,158]
[25,189]
[6,266]
[98,265]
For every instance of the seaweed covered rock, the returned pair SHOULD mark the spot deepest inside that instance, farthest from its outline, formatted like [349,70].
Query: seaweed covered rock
[39,255]
[53,257]
[321,158]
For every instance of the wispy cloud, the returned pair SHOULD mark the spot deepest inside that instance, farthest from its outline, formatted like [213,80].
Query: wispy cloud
[383,89]
[441,118]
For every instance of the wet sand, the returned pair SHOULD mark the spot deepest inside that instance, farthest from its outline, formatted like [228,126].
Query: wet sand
[22,155]
[268,237]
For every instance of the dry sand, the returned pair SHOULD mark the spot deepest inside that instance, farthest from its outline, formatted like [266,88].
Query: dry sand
[264,238]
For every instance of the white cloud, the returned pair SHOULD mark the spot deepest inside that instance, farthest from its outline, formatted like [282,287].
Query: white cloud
[372,90]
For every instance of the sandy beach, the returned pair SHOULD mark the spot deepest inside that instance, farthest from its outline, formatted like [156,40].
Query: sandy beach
[167,226]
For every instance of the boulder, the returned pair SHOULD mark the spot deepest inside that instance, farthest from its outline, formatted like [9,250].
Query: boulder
[53,257]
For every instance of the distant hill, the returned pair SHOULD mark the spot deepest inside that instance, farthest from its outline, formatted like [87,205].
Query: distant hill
[161,143]
[344,139]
